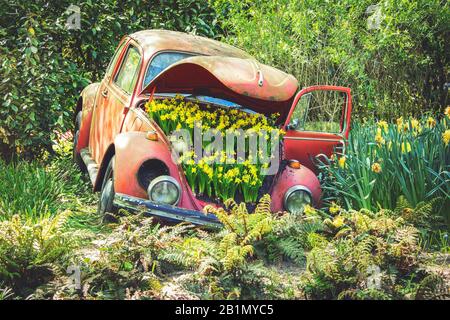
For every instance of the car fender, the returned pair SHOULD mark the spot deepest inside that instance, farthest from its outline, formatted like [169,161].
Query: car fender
[86,104]
[291,177]
[132,149]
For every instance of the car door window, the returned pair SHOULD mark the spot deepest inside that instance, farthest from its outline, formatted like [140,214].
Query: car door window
[161,62]
[320,110]
[113,62]
[127,75]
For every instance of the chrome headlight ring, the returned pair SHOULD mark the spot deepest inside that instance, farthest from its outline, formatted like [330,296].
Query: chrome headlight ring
[169,183]
[297,189]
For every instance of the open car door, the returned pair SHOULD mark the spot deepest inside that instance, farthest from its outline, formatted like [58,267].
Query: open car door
[318,124]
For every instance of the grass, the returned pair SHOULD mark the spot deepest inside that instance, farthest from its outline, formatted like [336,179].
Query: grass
[32,189]
[40,190]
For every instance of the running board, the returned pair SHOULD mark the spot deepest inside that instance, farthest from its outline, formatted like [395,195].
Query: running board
[91,165]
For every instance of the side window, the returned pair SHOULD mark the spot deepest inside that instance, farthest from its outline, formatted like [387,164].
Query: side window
[114,59]
[128,72]
[162,61]
[320,110]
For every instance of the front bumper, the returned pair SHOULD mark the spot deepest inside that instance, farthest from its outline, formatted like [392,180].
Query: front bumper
[165,211]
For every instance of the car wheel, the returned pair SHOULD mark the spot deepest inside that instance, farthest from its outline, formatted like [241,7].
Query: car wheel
[76,156]
[106,207]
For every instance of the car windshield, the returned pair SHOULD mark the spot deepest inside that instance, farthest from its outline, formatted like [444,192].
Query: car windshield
[161,62]
[209,100]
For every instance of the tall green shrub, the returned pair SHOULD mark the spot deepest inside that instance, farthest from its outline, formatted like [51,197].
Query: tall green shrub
[395,58]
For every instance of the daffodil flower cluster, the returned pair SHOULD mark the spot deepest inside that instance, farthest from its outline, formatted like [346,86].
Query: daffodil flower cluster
[220,175]
[383,160]
[177,113]
[408,130]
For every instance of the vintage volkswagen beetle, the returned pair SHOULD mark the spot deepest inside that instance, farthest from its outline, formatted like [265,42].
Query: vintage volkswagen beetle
[127,156]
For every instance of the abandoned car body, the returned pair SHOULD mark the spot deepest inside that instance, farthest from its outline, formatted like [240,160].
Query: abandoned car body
[128,156]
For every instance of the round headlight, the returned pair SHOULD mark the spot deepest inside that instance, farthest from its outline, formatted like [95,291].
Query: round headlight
[164,189]
[296,198]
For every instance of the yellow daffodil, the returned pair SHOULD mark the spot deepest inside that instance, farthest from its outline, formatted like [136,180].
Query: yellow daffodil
[406,147]
[431,122]
[383,125]
[405,127]
[415,123]
[447,112]
[177,113]
[334,208]
[379,138]
[338,222]
[446,137]
[341,162]
[376,167]
[309,211]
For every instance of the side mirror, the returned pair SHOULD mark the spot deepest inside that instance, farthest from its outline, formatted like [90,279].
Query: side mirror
[293,124]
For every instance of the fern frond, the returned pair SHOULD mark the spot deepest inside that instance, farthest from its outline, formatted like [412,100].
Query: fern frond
[263,207]
[433,287]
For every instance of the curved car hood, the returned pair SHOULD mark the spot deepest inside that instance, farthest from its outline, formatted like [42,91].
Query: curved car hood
[244,81]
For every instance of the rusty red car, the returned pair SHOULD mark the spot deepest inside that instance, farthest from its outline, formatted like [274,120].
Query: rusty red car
[128,157]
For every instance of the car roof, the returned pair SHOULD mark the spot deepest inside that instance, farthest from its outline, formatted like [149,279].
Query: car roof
[153,41]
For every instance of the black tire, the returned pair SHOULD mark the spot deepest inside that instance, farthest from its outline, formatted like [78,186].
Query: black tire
[106,208]
[76,156]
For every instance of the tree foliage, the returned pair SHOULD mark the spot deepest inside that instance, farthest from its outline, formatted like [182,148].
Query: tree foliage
[394,54]
[45,65]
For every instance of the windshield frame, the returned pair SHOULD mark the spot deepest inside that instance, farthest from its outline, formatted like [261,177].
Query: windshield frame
[192,54]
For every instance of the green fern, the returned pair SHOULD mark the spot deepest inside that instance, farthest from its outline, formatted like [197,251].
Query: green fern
[433,287]
[291,249]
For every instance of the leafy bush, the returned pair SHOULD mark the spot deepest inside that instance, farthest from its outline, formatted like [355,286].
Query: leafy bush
[125,261]
[392,55]
[225,258]
[291,239]
[45,65]
[366,255]
[29,251]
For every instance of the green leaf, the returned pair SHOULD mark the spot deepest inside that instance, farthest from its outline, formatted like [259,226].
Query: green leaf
[127,266]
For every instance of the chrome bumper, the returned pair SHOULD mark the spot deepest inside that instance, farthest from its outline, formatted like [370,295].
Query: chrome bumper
[165,211]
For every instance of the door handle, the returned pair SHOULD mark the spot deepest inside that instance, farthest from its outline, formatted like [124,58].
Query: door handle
[105,93]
